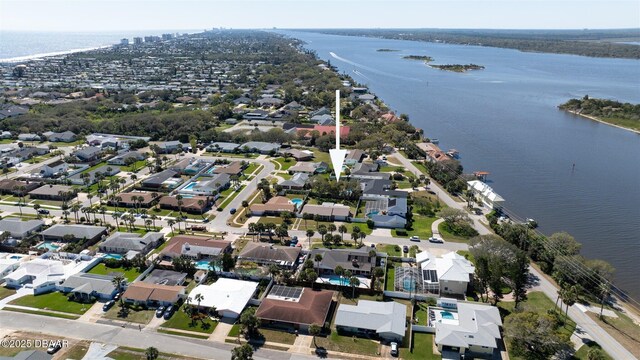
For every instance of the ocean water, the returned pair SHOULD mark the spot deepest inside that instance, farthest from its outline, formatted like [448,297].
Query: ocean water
[505,120]
[26,44]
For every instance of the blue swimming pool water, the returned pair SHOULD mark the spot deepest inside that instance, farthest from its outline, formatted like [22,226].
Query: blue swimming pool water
[15,257]
[447,315]
[297,202]
[204,265]
[113,256]
[210,171]
[374,212]
[408,284]
[337,280]
[190,186]
[49,246]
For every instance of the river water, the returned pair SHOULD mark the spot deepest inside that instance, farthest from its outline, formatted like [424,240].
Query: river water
[505,120]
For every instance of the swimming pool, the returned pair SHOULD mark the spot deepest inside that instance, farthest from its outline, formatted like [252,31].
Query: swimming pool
[48,245]
[211,170]
[113,256]
[190,185]
[15,257]
[204,265]
[373,212]
[447,315]
[297,202]
[336,280]
[408,284]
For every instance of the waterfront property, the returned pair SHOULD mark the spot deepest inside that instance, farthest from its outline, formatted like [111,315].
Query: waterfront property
[386,320]
[293,308]
[485,193]
[228,296]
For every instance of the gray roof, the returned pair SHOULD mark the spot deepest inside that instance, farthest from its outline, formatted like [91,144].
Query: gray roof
[129,154]
[51,190]
[477,325]
[261,146]
[165,277]
[87,152]
[298,179]
[224,146]
[160,177]
[78,231]
[381,187]
[89,283]
[131,241]
[343,257]
[17,226]
[269,253]
[29,355]
[382,317]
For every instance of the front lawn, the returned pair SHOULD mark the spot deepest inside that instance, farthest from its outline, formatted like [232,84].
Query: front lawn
[282,337]
[5,292]
[129,274]
[391,250]
[181,321]
[285,164]
[448,236]
[582,353]
[54,301]
[130,313]
[391,274]
[421,227]
[348,344]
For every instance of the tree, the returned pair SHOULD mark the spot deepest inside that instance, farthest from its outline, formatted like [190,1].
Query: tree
[249,321]
[118,281]
[342,229]
[354,282]
[569,298]
[378,273]
[595,353]
[533,335]
[151,353]
[227,262]
[518,273]
[310,233]
[314,330]
[243,352]
[317,259]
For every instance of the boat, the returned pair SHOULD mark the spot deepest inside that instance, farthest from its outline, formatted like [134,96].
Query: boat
[435,141]
[453,153]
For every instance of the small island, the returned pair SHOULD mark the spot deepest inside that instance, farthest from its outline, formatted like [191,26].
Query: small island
[458,67]
[387,50]
[622,115]
[418,57]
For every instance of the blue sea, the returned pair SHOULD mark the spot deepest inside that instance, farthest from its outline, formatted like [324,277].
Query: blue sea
[34,44]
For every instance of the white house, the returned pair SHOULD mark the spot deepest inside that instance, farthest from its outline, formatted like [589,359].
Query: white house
[43,275]
[486,194]
[55,168]
[8,263]
[449,274]
[386,320]
[228,296]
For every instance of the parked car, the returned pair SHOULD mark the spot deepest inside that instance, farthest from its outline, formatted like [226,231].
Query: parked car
[53,348]
[434,239]
[232,211]
[405,249]
[394,349]
[168,312]
[43,211]
[414,238]
[108,305]
[321,352]
[159,311]
[117,296]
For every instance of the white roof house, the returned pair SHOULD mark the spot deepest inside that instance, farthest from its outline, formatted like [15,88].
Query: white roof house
[448,274]
[476,328]
[44,274]
[386,319]
[8,263]
[228,296]
[486,194]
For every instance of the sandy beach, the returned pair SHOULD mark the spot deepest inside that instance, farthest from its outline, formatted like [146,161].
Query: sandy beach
[602,121]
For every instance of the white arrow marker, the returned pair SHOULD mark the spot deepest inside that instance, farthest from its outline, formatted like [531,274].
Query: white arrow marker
[337,155]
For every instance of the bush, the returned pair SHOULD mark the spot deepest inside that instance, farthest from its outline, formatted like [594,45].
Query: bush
[112,263]
[398,177]
[460,229]
[219,209]
[370,223]
[401,232]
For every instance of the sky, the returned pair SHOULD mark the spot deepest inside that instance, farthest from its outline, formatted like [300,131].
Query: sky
[119,15]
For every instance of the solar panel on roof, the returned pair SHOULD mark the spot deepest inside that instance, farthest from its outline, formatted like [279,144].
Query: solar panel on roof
[430,275]
[286,292]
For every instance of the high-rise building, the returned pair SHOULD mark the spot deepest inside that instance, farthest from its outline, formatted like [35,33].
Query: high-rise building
[137,41]
[167,36]
[124,41]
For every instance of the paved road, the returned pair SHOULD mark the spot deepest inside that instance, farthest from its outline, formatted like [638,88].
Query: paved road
[115,335]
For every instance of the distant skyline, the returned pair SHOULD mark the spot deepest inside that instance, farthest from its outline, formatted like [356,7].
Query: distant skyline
[141,15]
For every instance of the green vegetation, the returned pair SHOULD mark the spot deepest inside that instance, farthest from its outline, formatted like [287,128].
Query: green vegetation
[420,227]
[42,312]
[591,348]
[347,344]
[418,57]
[422,348]
[626,115]
[390,277]
[229,198]
[4,292]
[180,333]
[458,67]
[182,321]
[447,235]
[391,250]
[130,313]
[77,351]
[54,301]
[130,274]
[282,337]
[622,328]
[285,163]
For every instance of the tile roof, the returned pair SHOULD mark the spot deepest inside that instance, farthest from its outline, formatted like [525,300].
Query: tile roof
[311,308]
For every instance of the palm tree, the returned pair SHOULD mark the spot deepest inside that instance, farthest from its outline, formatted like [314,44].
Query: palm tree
[103,211]
[362,235]
[310,233]
[199,298]
[342,229]
[331,228]
[180,202]
[314,330]
[604,288]
[151,353]
[171,222]
[90,196]
[201,205]
[317,259]
[118,281]
[569,298]
[353,281]
[116,216]
[153,218]
[36,207]
[75,208]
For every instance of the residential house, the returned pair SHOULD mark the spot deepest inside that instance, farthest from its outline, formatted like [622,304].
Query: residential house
[12,186]
[165,277]
[266,254]
[322,111]
[122,159]
[485,193]
[170,147]
[297,182]
[53,169]
[358,261]
[299,155]
[449,274]
[29,137]
[19,229]
[295,308]
[208,186]
[225,147]
[354,156]
[53,192]
[260,147]
[273,207]
[43,275]
[322,119]
[28,152]
[228,296]
[269,101]
[384,320]
[320,167]
[131,244]
[85,286]
[191,205]
[153,295]
[328,211]
[195,247]
[8,263]
[164,180]
[93,175]
[379,189]
[388,212]
[88,153]
[64,233]
[66,136]
[234,168]
[465,328]
[256,114]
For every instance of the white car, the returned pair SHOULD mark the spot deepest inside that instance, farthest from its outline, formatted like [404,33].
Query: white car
[415,238]
[394,349]
[434,239]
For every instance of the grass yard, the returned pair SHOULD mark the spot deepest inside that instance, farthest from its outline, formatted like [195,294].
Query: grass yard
[421,227]
[282,337]
[422,348]
[467,255]
[235,331]
[421,313]
[270,220]
[348,344]
[623,329]
[5,292]
[55,301]
[229,197]
[285,164]
[311,224]
[391,250]
[77,351]
[42,312]
[390,279]
[181,321]
[581,354]
[251,168]
[135,167]
[134,314]
[180,333]
[447,236]
[129,274]
[321,156]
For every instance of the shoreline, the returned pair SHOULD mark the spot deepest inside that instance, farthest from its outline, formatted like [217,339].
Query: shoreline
[17,59]
[601,121]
